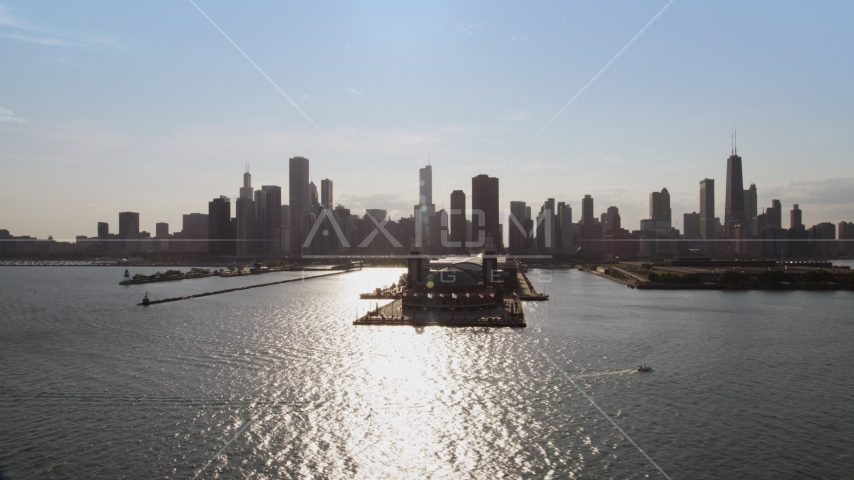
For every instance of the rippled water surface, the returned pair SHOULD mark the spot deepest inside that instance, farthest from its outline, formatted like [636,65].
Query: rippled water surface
[276,382]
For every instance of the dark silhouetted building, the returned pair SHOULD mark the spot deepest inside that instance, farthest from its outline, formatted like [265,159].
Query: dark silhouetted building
[261,232]
[587,210]
[286,216]
[846,238]
[326,194]
[484,198]
[313,196]
[659,208]
[309,245]
[273,220]
[610,220]
[691,225]
[546,224]
[590,232]
[795,218]
[775,214]
[103,236]
[299,200]
[128,224]
[161,229]
[568,230]
[621,244]
[424,209]
[246,230]
[799,241]
[591,241]
[246,190]
[219,226]
[751,206]
[759,222]
[774,241]
[195,232]
[425,185]
[734,210]
[458,221]
[129,230]
[823,240]
[516,224]
[707,209]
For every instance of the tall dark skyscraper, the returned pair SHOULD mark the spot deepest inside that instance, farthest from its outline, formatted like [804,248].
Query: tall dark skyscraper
[161,229]
[590,236]
[458,220]
[246,189]
[425,185]
[691,225]
[751,206]
[326,194]
[775,213]
[546,227]
[734,211]
[313,196]
[298,200]
[286,216]
[587,217]
[707,208]
[246,230]
[128,225]
[611,219]
[104,229]
[659,207]
[795,219]
[516,235]
[484,198]
[425,208]
[273,221]
[261,231]
[219,226]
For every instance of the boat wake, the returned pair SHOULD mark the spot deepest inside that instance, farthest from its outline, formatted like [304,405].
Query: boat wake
[627,371]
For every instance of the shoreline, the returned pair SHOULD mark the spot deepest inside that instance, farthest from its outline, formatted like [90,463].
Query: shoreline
[718,286]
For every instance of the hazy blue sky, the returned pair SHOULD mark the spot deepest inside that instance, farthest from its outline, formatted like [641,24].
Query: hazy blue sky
[110,106]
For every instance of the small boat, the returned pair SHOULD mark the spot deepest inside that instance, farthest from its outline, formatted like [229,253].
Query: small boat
[644,368]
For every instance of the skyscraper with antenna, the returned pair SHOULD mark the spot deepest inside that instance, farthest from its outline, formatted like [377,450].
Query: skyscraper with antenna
[425,207]
[246,190]
[734,209]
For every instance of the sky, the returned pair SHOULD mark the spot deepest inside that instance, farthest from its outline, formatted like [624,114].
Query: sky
[145,106]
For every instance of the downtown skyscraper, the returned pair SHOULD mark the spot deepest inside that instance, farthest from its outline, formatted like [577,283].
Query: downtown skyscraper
[326,194]
[734,210]
[516,228]
[484,203]
[707,209]
[298,200]
[425,209]
[458,221]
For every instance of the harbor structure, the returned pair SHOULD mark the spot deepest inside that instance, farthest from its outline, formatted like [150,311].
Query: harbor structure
[473,292]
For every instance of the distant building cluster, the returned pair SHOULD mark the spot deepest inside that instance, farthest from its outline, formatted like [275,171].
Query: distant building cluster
[311,224]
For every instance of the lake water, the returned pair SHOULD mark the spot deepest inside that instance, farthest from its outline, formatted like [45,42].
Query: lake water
[276,382]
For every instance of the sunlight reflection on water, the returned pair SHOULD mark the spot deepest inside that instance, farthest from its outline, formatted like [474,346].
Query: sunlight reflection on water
[159,391]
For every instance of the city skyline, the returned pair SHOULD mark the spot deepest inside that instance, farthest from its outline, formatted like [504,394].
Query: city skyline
[659,114]
[265,214]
